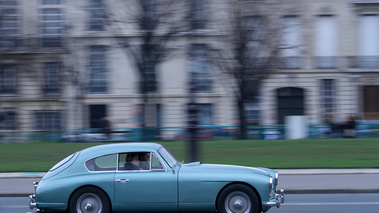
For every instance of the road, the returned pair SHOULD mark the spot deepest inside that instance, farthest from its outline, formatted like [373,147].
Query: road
[329,203]
[295,203]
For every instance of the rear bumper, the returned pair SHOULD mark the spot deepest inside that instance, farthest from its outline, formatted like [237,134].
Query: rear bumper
[279,199]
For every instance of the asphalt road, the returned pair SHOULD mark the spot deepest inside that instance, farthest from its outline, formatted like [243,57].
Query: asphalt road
[295,203]
[329,203]
[292,181]
[316,191]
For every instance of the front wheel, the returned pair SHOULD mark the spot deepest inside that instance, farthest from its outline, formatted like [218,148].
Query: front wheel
[89,200]
[238,198]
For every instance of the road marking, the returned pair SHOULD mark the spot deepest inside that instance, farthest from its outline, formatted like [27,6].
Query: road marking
[326,203]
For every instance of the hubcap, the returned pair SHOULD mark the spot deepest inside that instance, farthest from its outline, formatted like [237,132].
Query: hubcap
[89,203]
[237,202]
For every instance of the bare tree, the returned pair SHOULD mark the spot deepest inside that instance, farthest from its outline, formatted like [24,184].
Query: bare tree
[147,30]
[249,51]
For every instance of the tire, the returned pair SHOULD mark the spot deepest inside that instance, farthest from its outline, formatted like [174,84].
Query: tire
[89,200]
[238,198]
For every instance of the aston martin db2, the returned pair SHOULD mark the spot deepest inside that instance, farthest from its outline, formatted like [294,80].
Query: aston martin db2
[145,177]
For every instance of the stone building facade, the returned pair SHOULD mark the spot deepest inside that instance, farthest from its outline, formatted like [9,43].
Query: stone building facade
[61,68]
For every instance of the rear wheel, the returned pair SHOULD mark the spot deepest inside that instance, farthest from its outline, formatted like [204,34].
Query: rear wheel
[238,198]
[89,200]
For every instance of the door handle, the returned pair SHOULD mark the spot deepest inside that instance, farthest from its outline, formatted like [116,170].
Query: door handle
[121,180]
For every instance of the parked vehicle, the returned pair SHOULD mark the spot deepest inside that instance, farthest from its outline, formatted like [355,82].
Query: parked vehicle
[142,177]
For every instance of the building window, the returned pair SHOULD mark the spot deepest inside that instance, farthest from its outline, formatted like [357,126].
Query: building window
[51,22]
[98,70]
[97,15]
[370,102]
[369,42]
[8,120]
[9,23]
[291,41]
[326,44]
[199,68]
[52,78]
[204,114]
[8,83]
[149,82]
[327,98]
[150,115]
[47,120]
[96,115]
[199,14]
[252,112]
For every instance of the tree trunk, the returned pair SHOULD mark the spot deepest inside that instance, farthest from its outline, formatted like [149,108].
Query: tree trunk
[242,134]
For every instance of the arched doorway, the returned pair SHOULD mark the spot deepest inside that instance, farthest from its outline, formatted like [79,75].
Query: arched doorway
[290,101]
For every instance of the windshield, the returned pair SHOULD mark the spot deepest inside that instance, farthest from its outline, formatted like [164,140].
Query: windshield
[168,157]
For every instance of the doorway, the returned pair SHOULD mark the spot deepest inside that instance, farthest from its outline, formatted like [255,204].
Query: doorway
[290,101]
[96,113]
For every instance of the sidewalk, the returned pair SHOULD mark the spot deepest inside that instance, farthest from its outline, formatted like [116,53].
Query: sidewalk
[304,181]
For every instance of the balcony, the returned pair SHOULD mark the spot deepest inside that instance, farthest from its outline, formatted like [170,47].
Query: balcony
[326,62]
[29,44]
[363,63]
[292,62]
[364,1]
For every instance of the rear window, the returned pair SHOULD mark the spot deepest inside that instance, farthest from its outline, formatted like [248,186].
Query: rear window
[102,163]
[62,162]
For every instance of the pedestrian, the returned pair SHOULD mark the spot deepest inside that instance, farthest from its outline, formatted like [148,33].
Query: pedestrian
[349,127]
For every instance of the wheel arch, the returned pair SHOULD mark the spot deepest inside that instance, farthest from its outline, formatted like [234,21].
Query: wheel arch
[88,186]
[242,183]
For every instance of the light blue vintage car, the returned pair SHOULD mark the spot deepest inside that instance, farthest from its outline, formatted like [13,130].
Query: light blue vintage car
[145,177]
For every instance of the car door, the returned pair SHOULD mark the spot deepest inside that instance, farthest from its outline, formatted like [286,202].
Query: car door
[146,190]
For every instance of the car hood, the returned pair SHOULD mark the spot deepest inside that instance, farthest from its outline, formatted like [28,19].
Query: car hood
[199,167]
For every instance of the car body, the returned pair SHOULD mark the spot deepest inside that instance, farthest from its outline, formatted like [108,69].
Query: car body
[96,180]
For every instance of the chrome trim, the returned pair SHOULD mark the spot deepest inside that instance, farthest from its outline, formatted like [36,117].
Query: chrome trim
[121,180]
[117,163]
[271,184]
[32,201]
[276,178]
[279,199]
[35,184]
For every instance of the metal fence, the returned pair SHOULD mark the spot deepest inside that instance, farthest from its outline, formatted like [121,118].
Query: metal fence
[258,132]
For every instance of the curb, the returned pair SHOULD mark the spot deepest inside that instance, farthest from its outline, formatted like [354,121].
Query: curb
[326,171]
[22,175]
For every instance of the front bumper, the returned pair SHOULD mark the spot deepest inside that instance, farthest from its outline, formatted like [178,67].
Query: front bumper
[32,201]
[279,199]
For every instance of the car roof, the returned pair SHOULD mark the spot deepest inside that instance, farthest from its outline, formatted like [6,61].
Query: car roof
[118,148]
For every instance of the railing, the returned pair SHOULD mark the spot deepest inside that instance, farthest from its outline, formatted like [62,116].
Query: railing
[333,62]
[291,62]
[363,62]
[326,62]
[254,132]
[30,43]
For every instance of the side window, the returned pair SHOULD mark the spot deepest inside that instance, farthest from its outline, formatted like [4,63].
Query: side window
[134,161]
[139,161]
[103,163]
[155,163]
